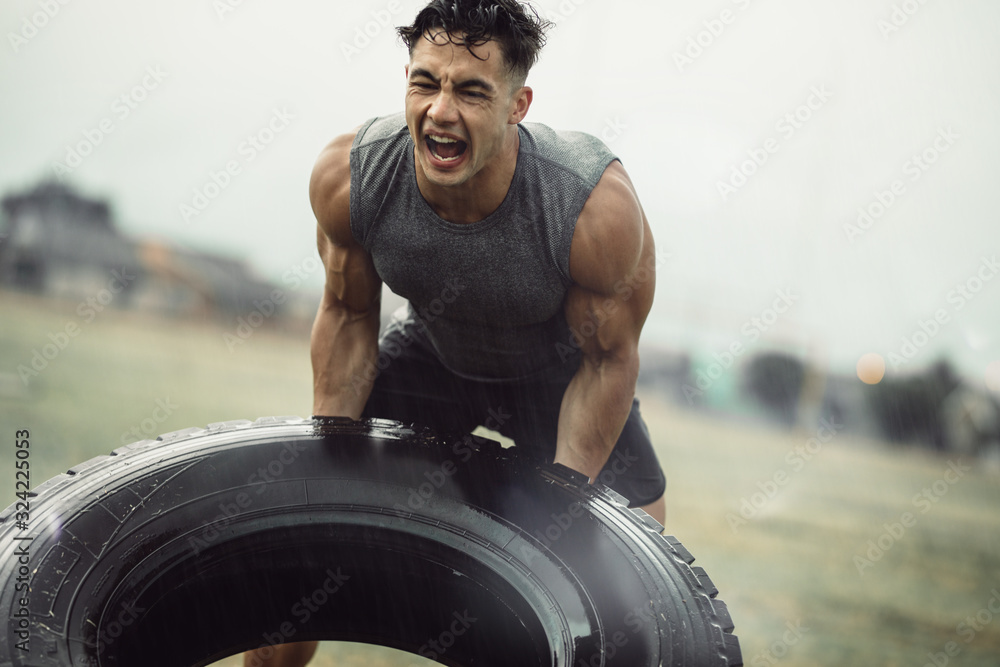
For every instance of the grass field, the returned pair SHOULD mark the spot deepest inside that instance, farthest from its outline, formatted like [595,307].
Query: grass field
[792,563]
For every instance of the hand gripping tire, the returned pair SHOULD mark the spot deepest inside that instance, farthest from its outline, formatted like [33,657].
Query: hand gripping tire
[208,542]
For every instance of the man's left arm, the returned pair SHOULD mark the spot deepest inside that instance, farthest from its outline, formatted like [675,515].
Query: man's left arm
[612,264]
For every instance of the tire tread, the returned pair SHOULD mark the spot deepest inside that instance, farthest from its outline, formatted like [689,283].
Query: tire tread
[702,585]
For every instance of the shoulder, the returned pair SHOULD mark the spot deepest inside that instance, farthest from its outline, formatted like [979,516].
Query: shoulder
[610,233]
[378,143]
[330,182]
[330,187]
[576,152]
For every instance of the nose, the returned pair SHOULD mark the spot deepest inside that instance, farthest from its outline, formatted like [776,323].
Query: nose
[443,110]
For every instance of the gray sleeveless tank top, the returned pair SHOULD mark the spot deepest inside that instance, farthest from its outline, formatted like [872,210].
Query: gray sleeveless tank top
[488,295]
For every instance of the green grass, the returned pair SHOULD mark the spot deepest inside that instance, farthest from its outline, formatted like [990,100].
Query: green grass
[791,563]
[794,560]
[109,378]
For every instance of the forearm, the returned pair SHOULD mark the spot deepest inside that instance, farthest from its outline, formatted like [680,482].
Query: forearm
[344,349]
[593,412]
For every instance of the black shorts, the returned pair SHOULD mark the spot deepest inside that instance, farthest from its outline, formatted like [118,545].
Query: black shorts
[413,386]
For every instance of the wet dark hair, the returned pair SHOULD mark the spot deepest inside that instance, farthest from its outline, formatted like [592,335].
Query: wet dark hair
[516,27]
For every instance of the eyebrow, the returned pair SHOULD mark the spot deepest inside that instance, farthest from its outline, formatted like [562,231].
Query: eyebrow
[468,83]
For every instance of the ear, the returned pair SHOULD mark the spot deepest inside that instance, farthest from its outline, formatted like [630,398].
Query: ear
[520,103]
[406,71]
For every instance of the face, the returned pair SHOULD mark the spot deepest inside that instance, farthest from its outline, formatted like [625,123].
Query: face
[460,109]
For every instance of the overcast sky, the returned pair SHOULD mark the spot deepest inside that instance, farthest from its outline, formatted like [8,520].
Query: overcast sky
[831,102]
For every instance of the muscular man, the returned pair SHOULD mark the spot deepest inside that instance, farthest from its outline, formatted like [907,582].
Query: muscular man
[524,253]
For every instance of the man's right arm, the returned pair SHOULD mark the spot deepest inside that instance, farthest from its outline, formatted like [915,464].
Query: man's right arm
[344,344]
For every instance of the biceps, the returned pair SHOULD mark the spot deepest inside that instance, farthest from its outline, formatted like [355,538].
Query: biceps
[605,326]
[351,279]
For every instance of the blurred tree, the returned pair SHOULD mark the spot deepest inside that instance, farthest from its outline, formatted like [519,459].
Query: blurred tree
[775,380]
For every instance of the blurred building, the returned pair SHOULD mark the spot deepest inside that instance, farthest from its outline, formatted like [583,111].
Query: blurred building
[57,243]
[184,282]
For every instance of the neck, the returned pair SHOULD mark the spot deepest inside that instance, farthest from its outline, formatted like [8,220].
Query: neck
[482,194]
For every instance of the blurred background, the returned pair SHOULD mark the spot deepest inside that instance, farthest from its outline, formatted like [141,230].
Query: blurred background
[823,355]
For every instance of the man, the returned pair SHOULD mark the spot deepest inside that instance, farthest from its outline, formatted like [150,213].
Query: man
[525,256]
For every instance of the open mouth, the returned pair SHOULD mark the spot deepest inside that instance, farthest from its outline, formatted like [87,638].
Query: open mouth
[446,149]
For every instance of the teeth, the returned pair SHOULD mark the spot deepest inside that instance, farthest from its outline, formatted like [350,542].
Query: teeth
[434,141]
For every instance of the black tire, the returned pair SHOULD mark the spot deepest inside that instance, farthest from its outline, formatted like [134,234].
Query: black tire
[207,542]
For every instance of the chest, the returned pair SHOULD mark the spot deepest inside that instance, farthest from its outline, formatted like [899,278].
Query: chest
[502,273]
